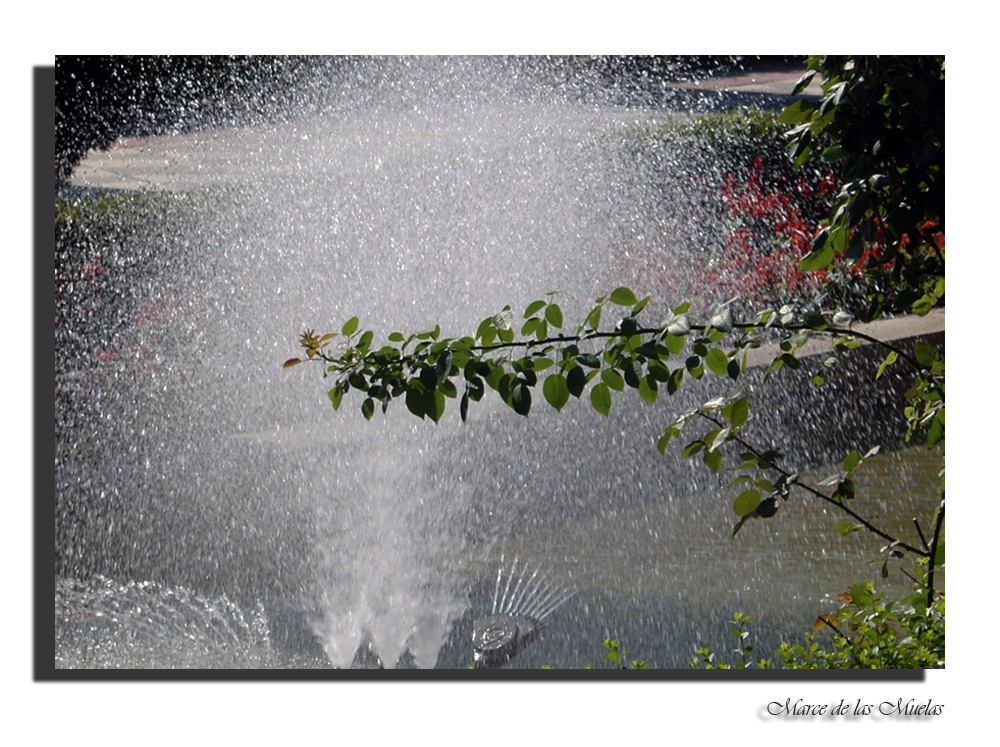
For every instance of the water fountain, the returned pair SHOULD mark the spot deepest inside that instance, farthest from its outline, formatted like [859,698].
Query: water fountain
[209,504]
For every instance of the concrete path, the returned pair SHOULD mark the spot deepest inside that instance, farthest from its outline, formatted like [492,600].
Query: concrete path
[197,159]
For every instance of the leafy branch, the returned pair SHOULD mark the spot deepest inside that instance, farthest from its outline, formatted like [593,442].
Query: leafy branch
[426,369]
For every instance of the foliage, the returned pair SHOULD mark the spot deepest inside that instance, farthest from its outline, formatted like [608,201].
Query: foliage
[880,124]
[705,659]
[618,657]
[769,232]
[747,217]
[864,632]
[426,370]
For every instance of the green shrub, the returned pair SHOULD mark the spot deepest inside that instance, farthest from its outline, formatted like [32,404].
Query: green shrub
[865,632]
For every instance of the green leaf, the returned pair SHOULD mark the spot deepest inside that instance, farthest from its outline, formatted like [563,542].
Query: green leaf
[485,330]
[553,315]
[494,376]
[851,462]
[814,320]
[600,398]
[613,379]
[817,259]
[556,391]
[475,388]
[845,527]
[649,350]
[767,508]
[416,401]
[717,362]
[738,412]
[533,307]
[925,353]
[694,367]
[628,326]
[658,371]
[746,502]
[428,377]
[336,395]
[593,320]
[623,297]
[640,305]
[673,344]
[436,405]
[648,389]
[576,381]
[936,431]
[925,304]
[520,398]
[790,360]
[889,360]
[861,595]
[713,460]
[633,373]
[692,448]
[833,154]
[662,441]
[797,111]
[368,408]
[674,382]
[442,368]
[350,326]
[396,337]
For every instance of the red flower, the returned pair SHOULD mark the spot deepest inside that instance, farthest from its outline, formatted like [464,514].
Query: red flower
[827,186]
[92,270]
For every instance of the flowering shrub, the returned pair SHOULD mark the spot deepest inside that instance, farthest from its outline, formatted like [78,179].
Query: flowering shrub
[754,226]
[771,219]
[769,232]
[880,124]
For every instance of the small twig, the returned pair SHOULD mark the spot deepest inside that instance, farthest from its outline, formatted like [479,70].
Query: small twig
[830,625]
[920,532]
[839,504]
[933,552]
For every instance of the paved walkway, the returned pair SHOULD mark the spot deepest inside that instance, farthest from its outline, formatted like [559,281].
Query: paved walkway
[779,82]
[191,160]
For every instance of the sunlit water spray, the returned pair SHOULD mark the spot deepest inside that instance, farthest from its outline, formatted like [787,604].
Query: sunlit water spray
[423,192]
